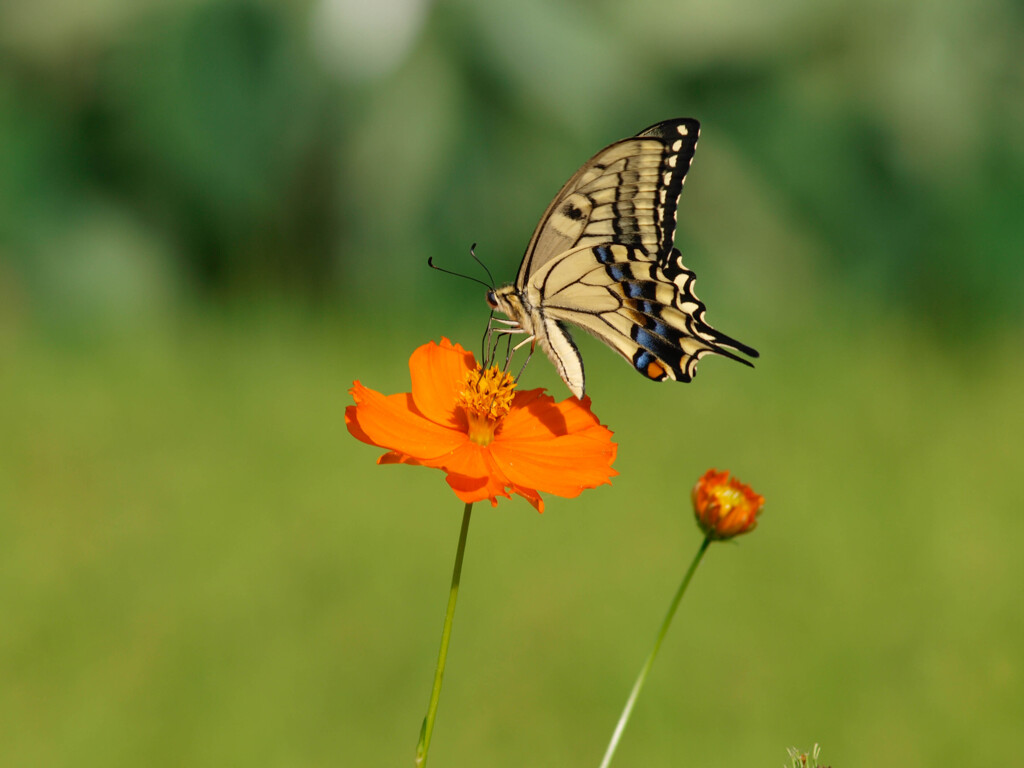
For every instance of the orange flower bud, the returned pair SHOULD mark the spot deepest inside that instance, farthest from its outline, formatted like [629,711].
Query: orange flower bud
[725,507]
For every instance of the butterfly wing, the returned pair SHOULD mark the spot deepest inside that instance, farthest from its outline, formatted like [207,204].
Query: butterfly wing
[602,258]
[647,313]
[625,194]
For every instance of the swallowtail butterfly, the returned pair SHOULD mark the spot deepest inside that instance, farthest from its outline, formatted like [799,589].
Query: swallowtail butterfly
[602,258]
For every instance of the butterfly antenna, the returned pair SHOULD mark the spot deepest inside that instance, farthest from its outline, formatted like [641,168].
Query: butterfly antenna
[472,252]
[432,265]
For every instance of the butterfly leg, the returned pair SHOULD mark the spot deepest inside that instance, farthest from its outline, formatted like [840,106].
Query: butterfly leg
[527,360]
[493,337]
[526,341]
[508,333]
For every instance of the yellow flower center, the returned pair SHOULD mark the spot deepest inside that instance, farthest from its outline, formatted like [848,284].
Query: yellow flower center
[729,498]
[486,397]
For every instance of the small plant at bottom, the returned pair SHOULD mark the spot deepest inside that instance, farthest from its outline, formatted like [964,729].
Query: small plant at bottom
[800,759]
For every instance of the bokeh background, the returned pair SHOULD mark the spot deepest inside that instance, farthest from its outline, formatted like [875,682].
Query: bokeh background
[216,214]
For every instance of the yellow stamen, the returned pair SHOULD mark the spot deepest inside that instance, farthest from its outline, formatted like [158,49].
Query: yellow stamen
[729,498]
[486,397]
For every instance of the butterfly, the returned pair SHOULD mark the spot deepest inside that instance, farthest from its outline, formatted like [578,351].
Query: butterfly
[602,258]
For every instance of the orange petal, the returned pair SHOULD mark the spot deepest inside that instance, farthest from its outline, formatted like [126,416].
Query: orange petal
[558,448]
[536,416]
[397,457]
[483,481]
[531,496]
[473,475]
[438,372]
[472,489]
[492,485]
[392,422]
[527,493]
[352,422]
[564,466]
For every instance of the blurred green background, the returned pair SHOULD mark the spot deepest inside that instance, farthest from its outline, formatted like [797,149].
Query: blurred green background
[214,216]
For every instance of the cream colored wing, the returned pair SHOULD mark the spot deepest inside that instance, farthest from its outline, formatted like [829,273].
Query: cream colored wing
[647,313]
[626,194]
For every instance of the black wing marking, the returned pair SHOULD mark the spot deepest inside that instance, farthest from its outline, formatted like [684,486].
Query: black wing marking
[652,319]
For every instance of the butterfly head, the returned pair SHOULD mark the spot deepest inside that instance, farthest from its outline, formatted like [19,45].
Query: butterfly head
[508,300]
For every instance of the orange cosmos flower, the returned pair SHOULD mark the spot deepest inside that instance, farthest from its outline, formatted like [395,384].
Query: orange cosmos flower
[725,507]
[488,438]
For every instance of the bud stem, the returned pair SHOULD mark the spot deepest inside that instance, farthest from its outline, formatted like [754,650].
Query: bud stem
[635,693]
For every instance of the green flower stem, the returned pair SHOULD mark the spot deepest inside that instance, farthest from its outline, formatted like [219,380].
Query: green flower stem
[435,694]
[635,693]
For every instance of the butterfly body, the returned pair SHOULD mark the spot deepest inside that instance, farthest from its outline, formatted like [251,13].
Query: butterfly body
[602,258]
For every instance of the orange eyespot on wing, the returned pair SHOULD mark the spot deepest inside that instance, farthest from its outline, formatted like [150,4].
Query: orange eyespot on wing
[655,371]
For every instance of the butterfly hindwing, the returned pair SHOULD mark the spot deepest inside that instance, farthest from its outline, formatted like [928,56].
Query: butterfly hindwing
[616,293]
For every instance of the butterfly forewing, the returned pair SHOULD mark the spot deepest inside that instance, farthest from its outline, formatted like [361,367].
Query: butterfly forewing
[626,194]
